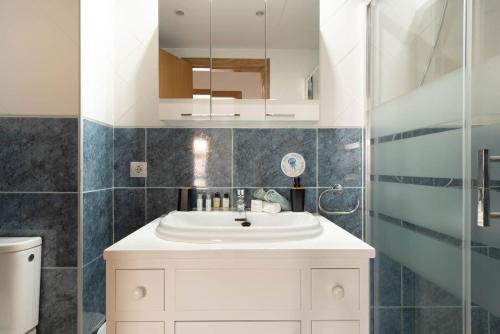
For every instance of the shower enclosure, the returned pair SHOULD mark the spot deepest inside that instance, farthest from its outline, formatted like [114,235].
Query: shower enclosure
[433,173]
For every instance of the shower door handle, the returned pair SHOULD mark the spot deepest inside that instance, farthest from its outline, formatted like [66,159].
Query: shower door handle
[484,214]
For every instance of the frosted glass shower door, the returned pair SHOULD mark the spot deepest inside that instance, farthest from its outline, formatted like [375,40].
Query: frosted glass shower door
[485,134]
[416,189]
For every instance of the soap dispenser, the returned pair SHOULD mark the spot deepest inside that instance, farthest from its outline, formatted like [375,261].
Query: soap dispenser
[297,195]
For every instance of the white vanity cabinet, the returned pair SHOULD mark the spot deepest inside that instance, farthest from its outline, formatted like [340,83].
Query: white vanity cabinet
[315,286]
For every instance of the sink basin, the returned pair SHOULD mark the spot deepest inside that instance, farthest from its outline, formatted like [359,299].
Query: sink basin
[228,226]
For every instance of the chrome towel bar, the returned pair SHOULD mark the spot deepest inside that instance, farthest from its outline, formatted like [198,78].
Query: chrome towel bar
[336,190]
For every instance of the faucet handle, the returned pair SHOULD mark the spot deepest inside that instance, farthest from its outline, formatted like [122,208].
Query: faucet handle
[240,193]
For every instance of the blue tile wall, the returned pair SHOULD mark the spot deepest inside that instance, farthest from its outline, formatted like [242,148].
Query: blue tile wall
[97,223]
[38,154]
[160,201]
[432,320]
[417,291]
[258,153]
[386,321]
[340,157]
[386,281]
[494,324]
[97,156]
[39,197]
[54,217]
[129,145]
[94,289]
[101,168]
[235,158]
[173,160]
[58,301]
[130,211]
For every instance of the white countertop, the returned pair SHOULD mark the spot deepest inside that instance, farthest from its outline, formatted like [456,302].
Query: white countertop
[333,242]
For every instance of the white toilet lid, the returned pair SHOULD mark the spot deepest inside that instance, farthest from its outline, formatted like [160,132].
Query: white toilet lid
[16,244]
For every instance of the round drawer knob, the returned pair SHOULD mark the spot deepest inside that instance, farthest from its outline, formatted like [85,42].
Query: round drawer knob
[139,292]
[338,292]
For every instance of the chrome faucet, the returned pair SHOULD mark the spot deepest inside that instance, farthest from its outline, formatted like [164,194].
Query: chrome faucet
[240,202]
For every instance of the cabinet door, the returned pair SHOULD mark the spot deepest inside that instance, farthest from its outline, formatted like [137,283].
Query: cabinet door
[336,290]
[139,328]
[140,290]
[335,327]
[239,327]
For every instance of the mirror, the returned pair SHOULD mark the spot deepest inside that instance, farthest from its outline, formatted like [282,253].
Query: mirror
[260,56]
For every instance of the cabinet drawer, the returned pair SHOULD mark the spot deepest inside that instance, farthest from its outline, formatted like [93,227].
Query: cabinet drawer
[239,327]
[335,327]
[139,328]
[237,289]
[140,290]
[336,290]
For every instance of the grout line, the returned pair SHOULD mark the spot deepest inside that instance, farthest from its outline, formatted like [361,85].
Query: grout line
[113,187]
[316,199]
[92,261]
[96,190]
[39,192]
[418,307]
[232,167]
[88,119]
[41,116]
[59,268]
[234,187]
[146,178]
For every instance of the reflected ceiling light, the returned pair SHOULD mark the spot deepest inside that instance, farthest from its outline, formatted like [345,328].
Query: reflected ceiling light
[200,146]
[179,12]
[259,13]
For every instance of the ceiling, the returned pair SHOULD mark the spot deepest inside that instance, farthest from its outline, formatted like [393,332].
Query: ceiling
[292,24]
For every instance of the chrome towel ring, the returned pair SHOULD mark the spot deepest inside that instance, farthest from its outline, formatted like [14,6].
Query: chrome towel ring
[336,190]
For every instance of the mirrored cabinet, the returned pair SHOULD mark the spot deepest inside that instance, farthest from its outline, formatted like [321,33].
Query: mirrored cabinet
[239,60]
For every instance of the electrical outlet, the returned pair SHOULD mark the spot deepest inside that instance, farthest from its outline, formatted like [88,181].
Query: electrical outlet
[138,169]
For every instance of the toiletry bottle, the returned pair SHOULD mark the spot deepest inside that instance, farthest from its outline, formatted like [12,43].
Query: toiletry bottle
[297,196]
[216,201]
[199,202]
[184,199]
[208,203]
[225,202]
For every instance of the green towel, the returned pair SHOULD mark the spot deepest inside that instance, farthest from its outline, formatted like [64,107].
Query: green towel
[272,196]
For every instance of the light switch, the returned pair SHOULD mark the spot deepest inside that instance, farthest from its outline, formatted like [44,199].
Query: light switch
[138,169]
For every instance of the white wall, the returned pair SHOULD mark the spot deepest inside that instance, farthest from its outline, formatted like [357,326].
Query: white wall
[342,62]
[136,63]
[39,66]
[342,53]
[97,60]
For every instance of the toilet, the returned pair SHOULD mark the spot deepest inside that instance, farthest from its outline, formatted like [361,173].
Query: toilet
[20,262]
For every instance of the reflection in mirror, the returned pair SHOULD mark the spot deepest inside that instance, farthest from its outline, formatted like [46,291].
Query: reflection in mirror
[184,34]
[250,59]
[238,49]
[293,49]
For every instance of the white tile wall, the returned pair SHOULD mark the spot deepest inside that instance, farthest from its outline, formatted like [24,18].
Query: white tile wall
[135,83]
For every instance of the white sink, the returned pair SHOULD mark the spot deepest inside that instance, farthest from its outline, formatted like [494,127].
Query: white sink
[223,227]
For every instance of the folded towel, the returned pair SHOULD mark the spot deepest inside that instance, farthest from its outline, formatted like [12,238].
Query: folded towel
[260,194]
[271,207]
[272,196]
[256,205]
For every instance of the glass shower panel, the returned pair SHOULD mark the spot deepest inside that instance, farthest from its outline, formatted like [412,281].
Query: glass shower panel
[416,191]
[485,134]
